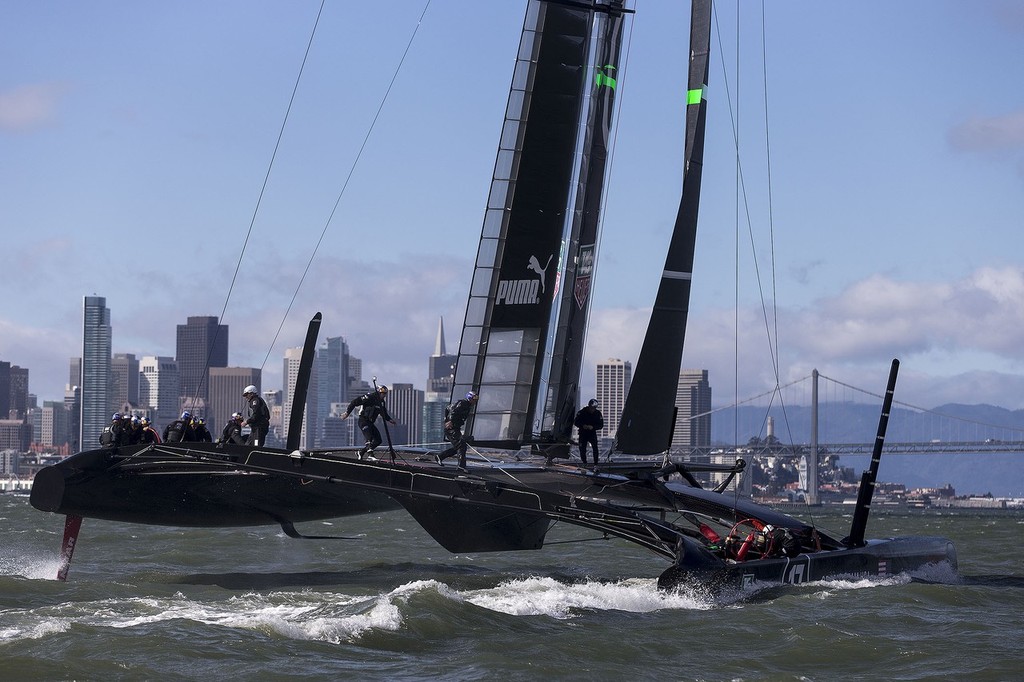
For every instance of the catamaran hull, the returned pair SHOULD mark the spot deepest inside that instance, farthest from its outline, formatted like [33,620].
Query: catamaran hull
[192,485]
[882,558]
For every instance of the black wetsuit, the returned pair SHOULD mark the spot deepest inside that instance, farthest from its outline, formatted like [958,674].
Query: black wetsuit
[258,421]
[589,422]
[232,433]
[372,406]
[456,415]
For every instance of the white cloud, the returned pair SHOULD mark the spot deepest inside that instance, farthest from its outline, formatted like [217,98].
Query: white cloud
[992,133]
[853,336]
[30,107]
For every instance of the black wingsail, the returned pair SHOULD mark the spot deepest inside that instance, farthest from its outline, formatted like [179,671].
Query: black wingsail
[646,424]
[540,215]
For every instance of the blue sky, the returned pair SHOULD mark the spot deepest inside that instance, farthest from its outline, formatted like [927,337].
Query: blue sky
[135,138]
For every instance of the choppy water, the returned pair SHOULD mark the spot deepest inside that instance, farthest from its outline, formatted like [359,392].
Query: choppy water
[171,603]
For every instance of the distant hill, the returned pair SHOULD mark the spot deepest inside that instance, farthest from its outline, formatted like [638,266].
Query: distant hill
[1001,474]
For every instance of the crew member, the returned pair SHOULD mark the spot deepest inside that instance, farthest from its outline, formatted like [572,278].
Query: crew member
[232,432]
[149,434]
[455,417]
[111,435]
[589,421]
[370,407]
[180,430]
[258,416]
[203,434]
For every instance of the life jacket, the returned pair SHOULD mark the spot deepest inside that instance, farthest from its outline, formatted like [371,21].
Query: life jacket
[107,437]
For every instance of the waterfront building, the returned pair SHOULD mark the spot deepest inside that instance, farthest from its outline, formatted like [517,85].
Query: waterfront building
[333,368]
[613,379]
[310,419]
[405,405]
[202,343]
[96,371]
[226,386]
[124,373]
[160,388]
[693,410]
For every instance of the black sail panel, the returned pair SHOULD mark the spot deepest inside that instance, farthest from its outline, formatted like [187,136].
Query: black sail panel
[509,312]
[647,416]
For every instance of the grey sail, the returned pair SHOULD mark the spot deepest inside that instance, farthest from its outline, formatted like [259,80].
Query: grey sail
[648,413]
[540,226]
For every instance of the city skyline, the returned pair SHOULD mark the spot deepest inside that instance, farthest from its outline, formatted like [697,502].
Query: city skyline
[890,218]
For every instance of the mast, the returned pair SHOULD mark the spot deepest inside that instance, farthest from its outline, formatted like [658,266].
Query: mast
[646,424]
[531,230]
[574,304]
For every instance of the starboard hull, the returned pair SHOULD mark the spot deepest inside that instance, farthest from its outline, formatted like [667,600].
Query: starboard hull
[877,558]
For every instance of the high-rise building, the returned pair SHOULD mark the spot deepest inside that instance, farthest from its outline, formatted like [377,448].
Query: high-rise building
[124,372]
[5,389]
[226,386]
[405,404]
[159,388]
[613,378]
[311,419]
[693,410]
[19,396]
[95,396]
[202,344]
[333,383]
[75,372]
[441,365]
[440,369]
[73,404]
[50,424]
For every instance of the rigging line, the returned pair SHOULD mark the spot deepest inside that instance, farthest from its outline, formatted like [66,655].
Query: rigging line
[348,177]
[742,191]
[259,200]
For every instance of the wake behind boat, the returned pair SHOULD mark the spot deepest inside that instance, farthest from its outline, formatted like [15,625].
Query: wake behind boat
[521,349]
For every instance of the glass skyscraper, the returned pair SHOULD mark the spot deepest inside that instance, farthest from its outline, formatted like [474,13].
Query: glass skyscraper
[96,377]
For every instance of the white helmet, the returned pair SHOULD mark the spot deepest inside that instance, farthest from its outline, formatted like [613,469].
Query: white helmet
[249,389]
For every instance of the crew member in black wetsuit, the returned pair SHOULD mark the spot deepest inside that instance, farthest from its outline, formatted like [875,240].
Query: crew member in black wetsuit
[370,407]
[203,434]
[454,419]
[589,421]
[180,430]
[232,432]
[259,416]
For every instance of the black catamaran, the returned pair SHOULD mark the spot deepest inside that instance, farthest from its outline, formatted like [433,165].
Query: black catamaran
[522,349]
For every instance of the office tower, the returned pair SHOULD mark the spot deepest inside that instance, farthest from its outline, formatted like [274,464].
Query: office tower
[73,404]
[202,343]
[333,370]
[124,372]
[311,418]
[50,424]
[405,405]
[5,389]
[15,434]
[441,365]
[95,396]
[19,397]
[75,372]
[226,386]
[160,388]
[613,377]
[356,385]
[275,401]
[440,368]
[693,410]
